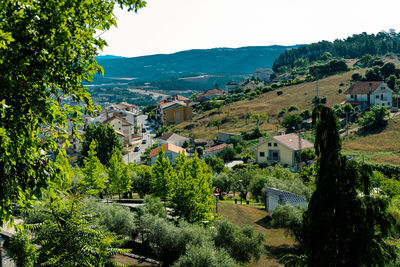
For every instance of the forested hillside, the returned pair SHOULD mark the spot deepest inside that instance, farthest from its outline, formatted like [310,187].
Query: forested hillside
[192,62]
[354,46]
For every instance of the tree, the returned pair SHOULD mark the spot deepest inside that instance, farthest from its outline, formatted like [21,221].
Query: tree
[141,179]
[292,121]
[227,154]
[94,173]
[342,227]
[47,49]
[192,194]
[388,69]
[217,123]
[118,175]
[391,81]
[356,77]
[107,142]
[163,176]
[376,117]
[216,164]
[223,182]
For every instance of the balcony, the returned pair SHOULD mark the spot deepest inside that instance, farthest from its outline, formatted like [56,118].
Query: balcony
[274,159]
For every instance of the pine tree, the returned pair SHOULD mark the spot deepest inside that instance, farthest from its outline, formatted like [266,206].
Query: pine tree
[343,227]
[94,174]
[163,175]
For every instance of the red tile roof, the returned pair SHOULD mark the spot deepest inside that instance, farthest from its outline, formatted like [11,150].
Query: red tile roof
[362,87]
[215,148]
[292,141]
[166,147]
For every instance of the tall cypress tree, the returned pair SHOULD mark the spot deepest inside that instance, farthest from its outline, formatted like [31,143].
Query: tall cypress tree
[344,225]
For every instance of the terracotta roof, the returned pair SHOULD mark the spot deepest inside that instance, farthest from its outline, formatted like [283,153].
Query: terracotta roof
[215,148]
[166,147]
[362,87]
[173,137]
[292,141]
[173,103]
[128,105]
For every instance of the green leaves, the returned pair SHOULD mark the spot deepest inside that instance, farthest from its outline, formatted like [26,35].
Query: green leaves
[47,48]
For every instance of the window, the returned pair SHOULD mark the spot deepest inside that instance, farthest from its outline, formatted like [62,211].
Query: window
[383,104]
[351,96]
[273,155]
[388,103]
[381,96]
[377,96]
[355,97]
[275,144]
[269,144]
[262,154]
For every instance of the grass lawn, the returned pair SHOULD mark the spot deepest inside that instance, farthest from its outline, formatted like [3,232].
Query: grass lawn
[277,242]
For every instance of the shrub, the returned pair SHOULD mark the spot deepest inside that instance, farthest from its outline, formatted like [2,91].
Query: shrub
[293,108]
[287,216]
[242,245]
[279,93]
[21,250]
[205,256]
[305,114]
[153,206]
[376,117]
[115,218]
[227,154]
[339,91]
[292,121]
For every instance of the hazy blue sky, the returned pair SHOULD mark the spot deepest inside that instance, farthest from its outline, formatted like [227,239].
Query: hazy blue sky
[167,26]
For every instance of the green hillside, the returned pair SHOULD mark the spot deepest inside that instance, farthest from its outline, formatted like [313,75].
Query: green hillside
[190,62]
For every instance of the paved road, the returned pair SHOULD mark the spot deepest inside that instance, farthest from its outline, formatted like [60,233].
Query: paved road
[148,136]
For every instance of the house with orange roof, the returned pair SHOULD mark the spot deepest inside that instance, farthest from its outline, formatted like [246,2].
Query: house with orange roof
[171,152]
[212,151]
[280,149]
[365,94]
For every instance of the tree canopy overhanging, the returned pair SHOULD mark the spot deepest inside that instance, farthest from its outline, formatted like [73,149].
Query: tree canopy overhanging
[47,49]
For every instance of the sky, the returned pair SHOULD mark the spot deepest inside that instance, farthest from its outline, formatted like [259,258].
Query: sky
[168,26]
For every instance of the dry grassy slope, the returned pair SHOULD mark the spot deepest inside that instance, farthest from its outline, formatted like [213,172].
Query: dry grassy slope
[300,95]
[381,147]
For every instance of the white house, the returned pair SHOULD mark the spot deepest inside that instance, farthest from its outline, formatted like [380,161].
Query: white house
[171,152]
[173,138]
[367,94]
[123,126]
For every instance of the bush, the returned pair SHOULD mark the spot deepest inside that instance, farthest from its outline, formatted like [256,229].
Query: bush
[293,108]
[227,154]
[116,218]
[21,250]
[205,256]
[217,164]
[291,121]
[279,93]
[242,245]
[305,114]
[376,117]
[153,206]
[287,216]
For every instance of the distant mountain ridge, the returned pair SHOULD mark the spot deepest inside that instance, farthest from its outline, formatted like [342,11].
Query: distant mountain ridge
[191,62]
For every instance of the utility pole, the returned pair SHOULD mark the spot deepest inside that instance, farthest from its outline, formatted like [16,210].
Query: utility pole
[347,123]
[316,84]
[299,155]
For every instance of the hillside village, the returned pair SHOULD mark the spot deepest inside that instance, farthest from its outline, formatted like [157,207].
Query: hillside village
[294,164]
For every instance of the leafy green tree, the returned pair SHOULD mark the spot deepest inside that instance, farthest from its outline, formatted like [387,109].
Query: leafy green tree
[292,121]
[107,142]
[356,77]
[366,60]
[227,154]
[205,256]
[118,175]
[388,69]
[373,74]
[216,164]
[192,194]
[217,123]
[305,114]
[391,81]
[47,51]
[141,179]
[94,173]
[376,117]
[223,182]
[391,187]
[341,227]
[163,176]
